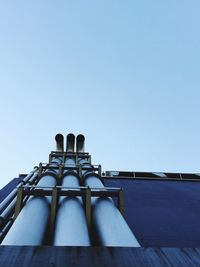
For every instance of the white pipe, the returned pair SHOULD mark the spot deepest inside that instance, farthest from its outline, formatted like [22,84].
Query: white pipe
[30,226]
[69,162]
[80,143]
[59,143]
[71,225]
[13,193]
[70,143]
[111,227]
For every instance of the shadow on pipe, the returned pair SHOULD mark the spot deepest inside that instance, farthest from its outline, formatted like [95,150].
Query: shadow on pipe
[70,142]
[109,224]
[71,225]
[80,143]
[59,142]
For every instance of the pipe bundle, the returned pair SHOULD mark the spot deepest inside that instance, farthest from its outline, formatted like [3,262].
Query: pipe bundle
[71,228]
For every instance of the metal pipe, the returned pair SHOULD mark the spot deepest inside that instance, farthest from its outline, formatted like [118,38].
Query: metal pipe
[5,216]
[70,142]
[7,211]
[30,226]
[112,229]
[55,161]
[106,214]
[71,225]
[59,142]
[86,165]
[80,143]
[33,179]
[5,229]
[13,193]
[30,175]
[70,162]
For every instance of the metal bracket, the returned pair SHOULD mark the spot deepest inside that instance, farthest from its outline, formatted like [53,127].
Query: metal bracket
[60,174]
[57,191]
[99,170]
[121,201]
[63,157]
[80,173]
[40,170]
[90,159]
[19,203]
[88,207]
[54,203]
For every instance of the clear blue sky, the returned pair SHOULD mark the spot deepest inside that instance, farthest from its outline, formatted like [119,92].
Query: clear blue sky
[106,69]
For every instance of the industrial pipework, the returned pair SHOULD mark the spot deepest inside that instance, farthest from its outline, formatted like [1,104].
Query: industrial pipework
[71,224]
[111,227]
[65,203]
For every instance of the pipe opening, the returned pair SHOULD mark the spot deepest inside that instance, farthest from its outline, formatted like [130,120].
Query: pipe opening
[80,143]
[59,142]
[70,142]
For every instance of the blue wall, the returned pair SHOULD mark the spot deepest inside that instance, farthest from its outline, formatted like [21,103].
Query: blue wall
[162,213]
[9,187]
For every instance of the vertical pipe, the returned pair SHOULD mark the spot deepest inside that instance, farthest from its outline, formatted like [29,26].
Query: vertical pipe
[30,226]
[59,143]
[110,225]
[80,143]
[70,143]
[13,193]
[71,225]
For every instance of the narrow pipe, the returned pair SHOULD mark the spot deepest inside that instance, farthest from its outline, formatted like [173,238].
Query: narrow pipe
[13,193]
[71,225]
[8,212]
[70,142]
[4,215]
[80,143]
[30,226]
[59,143]
[30,175]
[32,179]
[5,229]
[8,199]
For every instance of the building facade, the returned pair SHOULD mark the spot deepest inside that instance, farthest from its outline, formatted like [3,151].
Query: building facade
[68,213]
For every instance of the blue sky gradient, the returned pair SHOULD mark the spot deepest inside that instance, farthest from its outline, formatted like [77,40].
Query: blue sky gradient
[124,73]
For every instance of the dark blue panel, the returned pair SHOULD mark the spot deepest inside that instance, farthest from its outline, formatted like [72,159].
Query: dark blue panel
[162,213]
[9,187]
